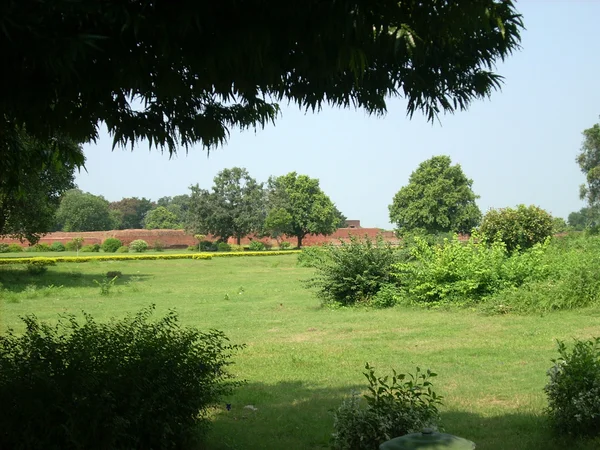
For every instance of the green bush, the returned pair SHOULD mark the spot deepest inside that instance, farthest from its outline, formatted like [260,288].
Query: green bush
[14,248]
[74,244]
[519,228]
[313,256]
[192,248]
[111,245]
[223,247]
[4,248]
[57,247]
[38,266]
[125,384]
[138,246]
[257,246]
[236,248]
[285,245]
[354,271]
[395,406]
[207,246]
[95,248]
[41,247]
[158,246]
[574,389]
[123,249]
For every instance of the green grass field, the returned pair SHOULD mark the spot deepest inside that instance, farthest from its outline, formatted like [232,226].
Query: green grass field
[301,359]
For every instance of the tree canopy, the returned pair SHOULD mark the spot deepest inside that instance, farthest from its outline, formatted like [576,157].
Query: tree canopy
[182,75]
[160,218]
[234,208]
[27,212]
[589,162]
[297,207]
[82,211]
[130,211]
[437,199]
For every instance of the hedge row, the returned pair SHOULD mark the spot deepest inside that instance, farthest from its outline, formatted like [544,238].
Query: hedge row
[80,259]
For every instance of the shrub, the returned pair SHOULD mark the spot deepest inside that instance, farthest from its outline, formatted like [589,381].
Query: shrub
[395,406]
[138,246]
[574,389]
[207,246]
[113,274]
[313,256]
[519,228]
[386,297]
[354,271]
[158,246]
[111,245]
[257,246]
[57,247]
[4,248]
[75,244]
[236,248]
[41,247]
[123,249]
[192,248]
[126,384]
[95,248]
[14,248]
[285,245]
[223,247]
[38,266]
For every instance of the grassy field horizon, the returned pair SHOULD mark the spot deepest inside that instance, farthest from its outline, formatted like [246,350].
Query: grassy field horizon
[301,359]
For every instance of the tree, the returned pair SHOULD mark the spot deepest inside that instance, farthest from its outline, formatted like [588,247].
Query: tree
[178,205]
[234,208]
[160,218]
[519,228]
[559,225]
[186,75]
[298,207]
[27,212]
[589,162]
[584,218]
[131,211]
[437,199]
[82,211]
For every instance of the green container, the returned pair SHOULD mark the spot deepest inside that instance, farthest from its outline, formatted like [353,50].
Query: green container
[427,440]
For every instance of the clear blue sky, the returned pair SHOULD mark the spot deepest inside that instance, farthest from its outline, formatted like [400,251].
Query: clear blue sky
[518,147]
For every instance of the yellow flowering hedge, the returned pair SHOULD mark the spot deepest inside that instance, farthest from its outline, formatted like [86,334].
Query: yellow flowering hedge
[42,260]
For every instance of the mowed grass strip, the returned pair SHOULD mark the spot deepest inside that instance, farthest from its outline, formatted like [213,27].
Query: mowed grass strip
[301,359]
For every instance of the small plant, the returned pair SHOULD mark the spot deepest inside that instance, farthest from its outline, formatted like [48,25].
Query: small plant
[75,244]
[395,406]
[158,246]
[257,246]
[106,285]
[14,248]
[4,248]
[123,249]
[113,274]
[38,266]
[574,389]
[207,246]
[111,245]
[57,247]
[285,245]
[138,246]
[223,247]
[91,248]
[236,248]
[41,247]
[192,248]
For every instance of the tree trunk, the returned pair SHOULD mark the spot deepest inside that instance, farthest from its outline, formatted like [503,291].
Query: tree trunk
[239,240]
[300,241]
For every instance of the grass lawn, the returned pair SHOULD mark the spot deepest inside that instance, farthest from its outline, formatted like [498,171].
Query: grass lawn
[301,359]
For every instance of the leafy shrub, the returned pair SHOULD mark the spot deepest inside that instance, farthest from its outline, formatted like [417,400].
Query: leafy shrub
[125,384]
[207,246]
[57,247]
[519,228]
[354,271]
[113,274]
[14,248]
[574,389]
[386,297]
[285,245]
[192,248]
[95,248]
[138,246]
[111,245]
[313,256]
[41,247]
[29,249]
[395,406]
[4,248]
[257,246]
[223,247]
[75,244]
[123,249]
[158,246]
[38,266]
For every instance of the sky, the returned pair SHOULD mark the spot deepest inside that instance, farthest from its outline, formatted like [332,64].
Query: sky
[519,146]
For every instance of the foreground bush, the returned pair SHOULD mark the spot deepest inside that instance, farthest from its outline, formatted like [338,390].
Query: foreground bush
[519,228]
[57,247]
[574,389]
[126,384]
[395,406]
[138,246]
[257,246]
[111,245]
[353,272]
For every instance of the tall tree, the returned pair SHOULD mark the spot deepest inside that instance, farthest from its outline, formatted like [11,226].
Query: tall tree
[178,205]
[82,211]
[438,198]
[587,217]
[131,211]
[589,162]
[234,208]
[298,207]
[160,218]
[28,212]
[195,71]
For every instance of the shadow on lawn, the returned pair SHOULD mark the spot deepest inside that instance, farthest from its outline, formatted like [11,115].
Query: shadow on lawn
[17,279]
[294,415]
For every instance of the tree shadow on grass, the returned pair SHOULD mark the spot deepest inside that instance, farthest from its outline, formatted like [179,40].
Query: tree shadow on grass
[17,279]
[295,415]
